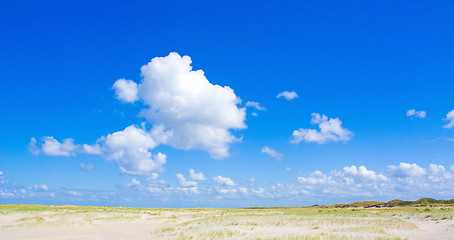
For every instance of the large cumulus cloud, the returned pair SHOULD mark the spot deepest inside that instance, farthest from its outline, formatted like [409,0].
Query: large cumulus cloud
[185,111]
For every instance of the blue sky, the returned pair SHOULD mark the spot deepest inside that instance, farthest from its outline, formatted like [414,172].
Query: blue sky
[73,70]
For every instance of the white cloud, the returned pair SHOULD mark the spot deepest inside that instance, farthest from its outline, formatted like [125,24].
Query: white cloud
[287,95]
[42,187]
[223,181]
[86,167]
[125,90]
[6,194]
[50,146]
[407,170]
[2,178]
[330,130]
[74,193]
[436,169]
[351,181]
[186,110]
[314,178]
[361,172]
[243,190]
[255,105]
[32,147]
[94,149]
[416,114]
[196,176]
[153,176]
[135,184]
[254,114]
[450,119]
[273,153]
[130,149]
[252,180]
[185,183]
[189,190]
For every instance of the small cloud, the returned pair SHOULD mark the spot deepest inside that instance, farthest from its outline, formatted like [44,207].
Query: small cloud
[450,119]
[32,147]
[41,187]
[223,181]
[407,170]
[74,193]
[86,167]
[185,183]
[94,149]
[254,114]
[5,194]
[196,176]
[287,95]
[362,172]
[288,169]
[252,180]
[255,105]
[134,184]
[273,153]
[126,90]
[330,130]
[153,176]
[416,114]
[50,146]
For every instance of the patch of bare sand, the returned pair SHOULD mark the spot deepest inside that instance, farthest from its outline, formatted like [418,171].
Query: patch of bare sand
[428,230]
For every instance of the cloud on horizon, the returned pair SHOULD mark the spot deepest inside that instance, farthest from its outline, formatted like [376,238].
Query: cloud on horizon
[411,181]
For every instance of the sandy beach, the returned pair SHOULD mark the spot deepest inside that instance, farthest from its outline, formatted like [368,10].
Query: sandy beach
[97,223]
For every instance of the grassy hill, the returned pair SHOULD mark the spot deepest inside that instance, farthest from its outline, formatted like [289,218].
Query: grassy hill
[396,203]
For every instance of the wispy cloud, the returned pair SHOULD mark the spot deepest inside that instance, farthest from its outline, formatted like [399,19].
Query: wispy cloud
[416,114]
[287,95]
[86,167]
[255,105]
[273,153]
